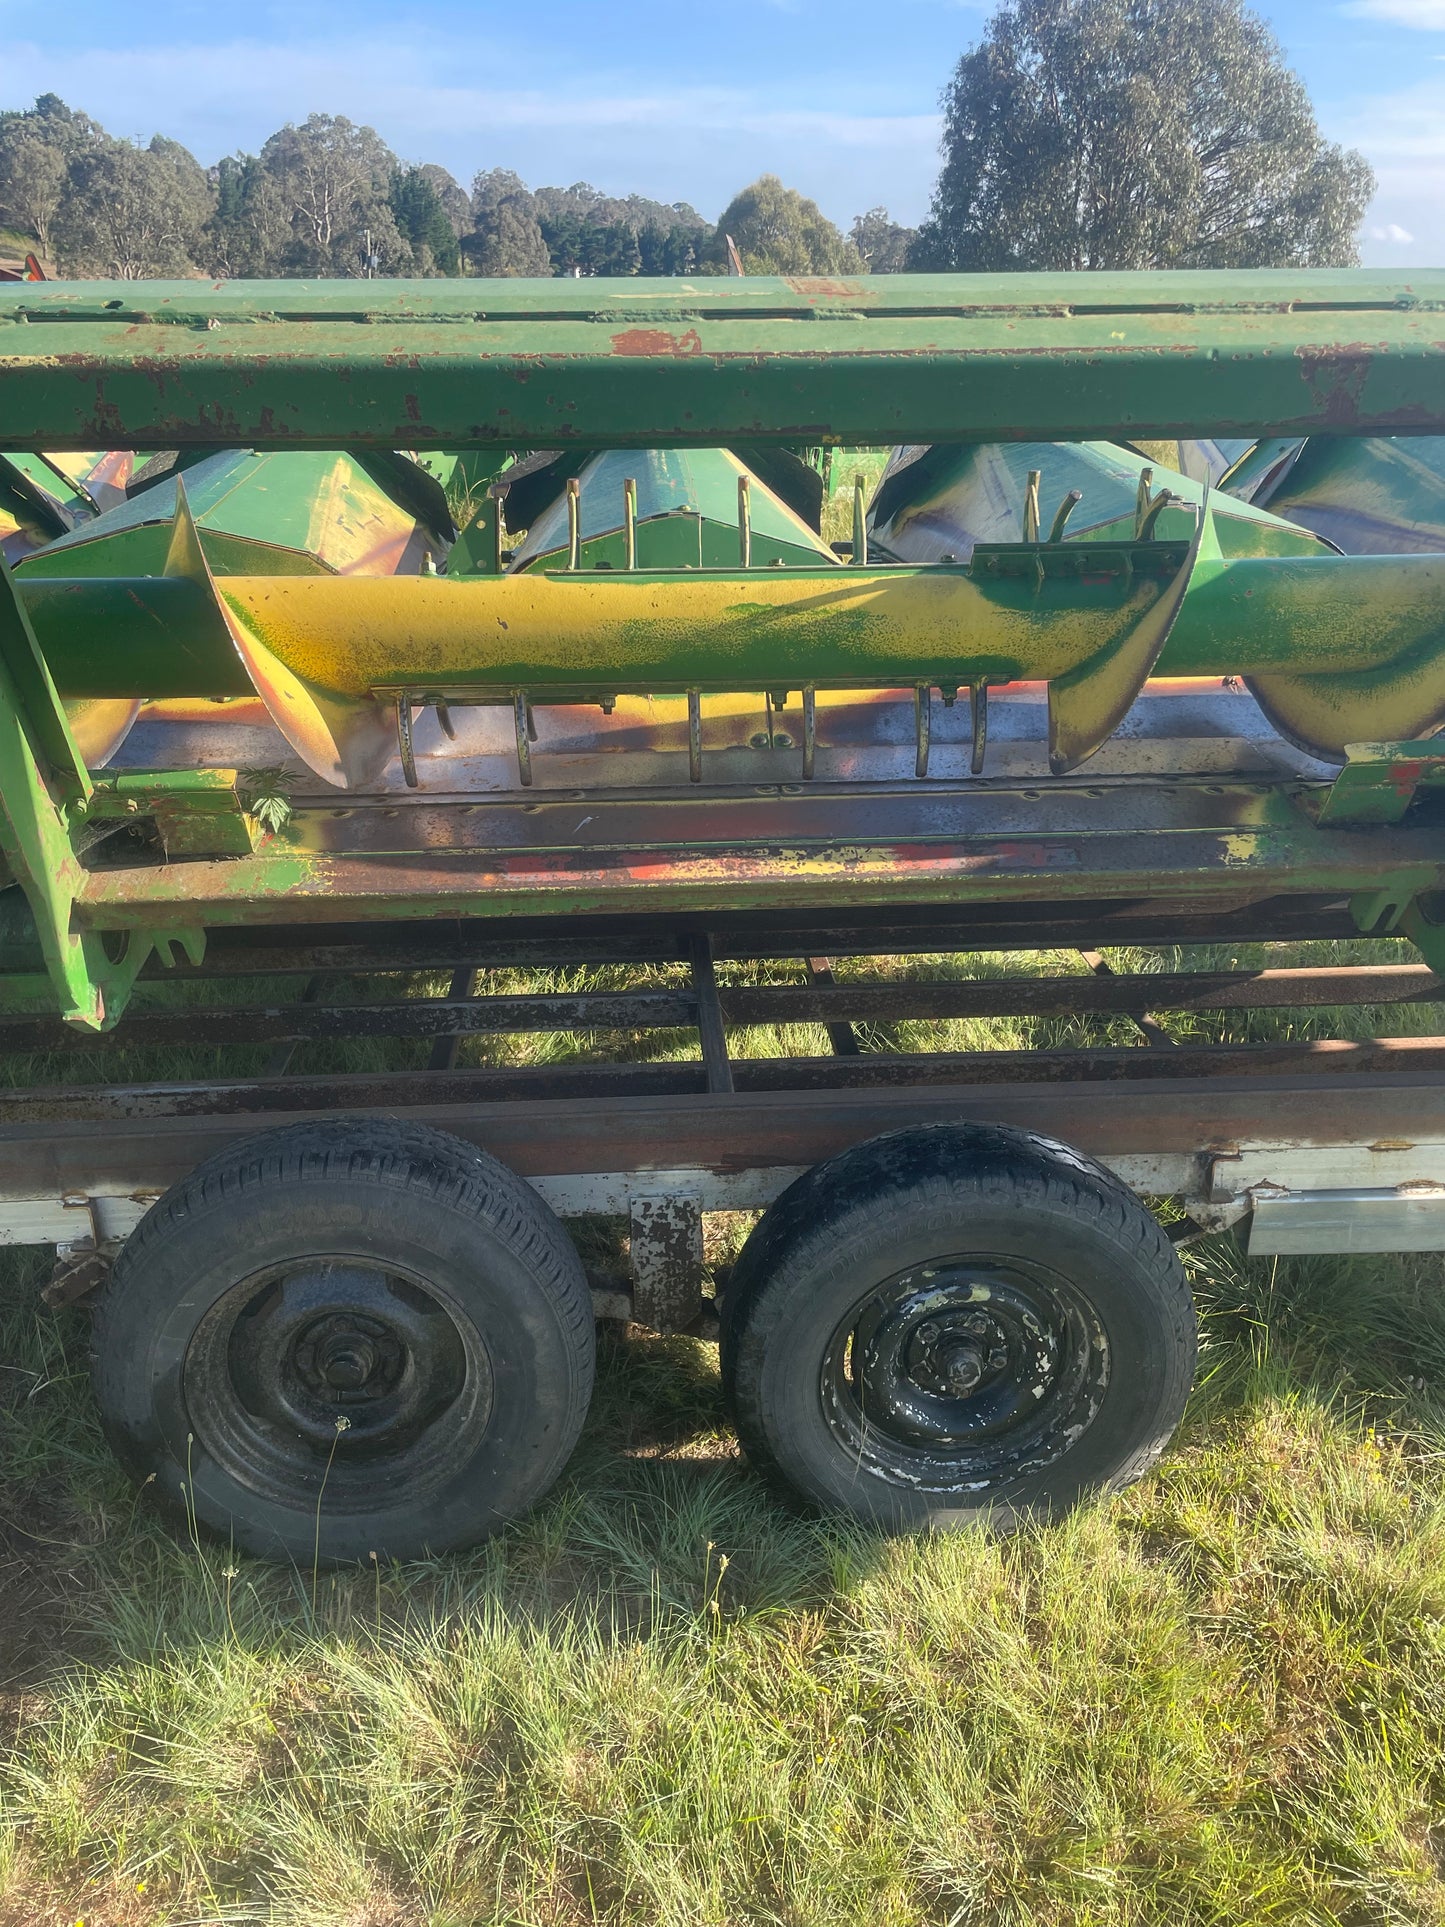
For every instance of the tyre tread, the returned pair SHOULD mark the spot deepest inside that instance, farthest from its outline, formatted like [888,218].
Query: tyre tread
[1013,1168]
[444,1170]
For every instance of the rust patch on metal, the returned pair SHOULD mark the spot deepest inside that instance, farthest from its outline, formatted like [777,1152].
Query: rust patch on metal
[1336,379]
[657,341]
[825,288]
[666,1257]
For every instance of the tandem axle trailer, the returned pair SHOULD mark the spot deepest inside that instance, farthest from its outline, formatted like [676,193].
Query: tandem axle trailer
[294,760]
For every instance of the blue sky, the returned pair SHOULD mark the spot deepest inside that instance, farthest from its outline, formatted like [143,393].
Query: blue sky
[685,101]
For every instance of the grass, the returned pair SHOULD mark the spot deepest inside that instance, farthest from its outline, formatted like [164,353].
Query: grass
[671,1697]
[848,464]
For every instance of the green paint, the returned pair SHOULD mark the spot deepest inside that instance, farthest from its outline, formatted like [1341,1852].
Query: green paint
[667,367]
[652,364]
[257,514]
[1381,781]
[687,516]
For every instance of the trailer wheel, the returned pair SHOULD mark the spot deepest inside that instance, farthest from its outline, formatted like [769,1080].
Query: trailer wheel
[346,1338]
[957,1325]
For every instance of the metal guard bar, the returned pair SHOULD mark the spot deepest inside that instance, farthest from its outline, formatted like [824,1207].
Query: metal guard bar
[650,364]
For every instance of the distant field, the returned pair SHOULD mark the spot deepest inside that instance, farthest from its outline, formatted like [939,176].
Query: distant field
[672,1698]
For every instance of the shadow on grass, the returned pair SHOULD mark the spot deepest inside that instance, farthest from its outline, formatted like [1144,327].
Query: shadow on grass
[657,1493]
[666,1696]
[655,1496]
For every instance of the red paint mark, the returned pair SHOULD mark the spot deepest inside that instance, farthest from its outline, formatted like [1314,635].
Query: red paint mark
[656,341]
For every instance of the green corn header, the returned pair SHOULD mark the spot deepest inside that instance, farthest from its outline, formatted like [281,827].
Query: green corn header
[663,693]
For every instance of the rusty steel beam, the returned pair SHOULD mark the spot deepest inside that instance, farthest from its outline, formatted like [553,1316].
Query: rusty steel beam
[659,1117]
[524,943]
[906,1000]
[1188,1067]
[651,364]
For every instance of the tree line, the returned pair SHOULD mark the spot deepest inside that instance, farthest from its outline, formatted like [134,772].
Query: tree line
[1077,134]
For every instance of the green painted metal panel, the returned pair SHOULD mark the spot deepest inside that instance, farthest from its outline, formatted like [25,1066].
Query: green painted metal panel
[687,516]
[677,363]
[942,500]
[258,514]
[1368,495]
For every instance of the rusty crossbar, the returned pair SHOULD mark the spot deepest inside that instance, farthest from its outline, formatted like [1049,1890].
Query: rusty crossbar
[1326,1066]
[648,364]
[310,1020]
[118,1140]
[448,944]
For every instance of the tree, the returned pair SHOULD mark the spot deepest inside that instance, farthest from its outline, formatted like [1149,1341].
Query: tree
[589,232]
[1134,134]
[421,219]
[334,183]
[249,234]
[505,238]
[32,184]
[133,212]
[37,146]
[777,231]
[882,243]
[577,245]
[455,201]
[670,249]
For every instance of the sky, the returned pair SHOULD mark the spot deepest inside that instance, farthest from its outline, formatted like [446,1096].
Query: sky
[682,101]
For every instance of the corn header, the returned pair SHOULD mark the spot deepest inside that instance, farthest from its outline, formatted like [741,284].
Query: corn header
[428,624]
[712,623]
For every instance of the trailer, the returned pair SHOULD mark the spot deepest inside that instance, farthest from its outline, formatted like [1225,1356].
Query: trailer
[335,1312]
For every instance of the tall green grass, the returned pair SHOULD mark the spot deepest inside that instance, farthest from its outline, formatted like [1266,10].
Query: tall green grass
[671,1696]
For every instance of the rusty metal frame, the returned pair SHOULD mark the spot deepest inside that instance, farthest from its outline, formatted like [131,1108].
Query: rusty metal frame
[652,364]
[663,1142]
[1169,1120]
[707,1008]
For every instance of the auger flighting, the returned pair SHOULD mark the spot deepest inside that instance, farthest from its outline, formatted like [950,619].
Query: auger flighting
[1045,667]
[1336,649]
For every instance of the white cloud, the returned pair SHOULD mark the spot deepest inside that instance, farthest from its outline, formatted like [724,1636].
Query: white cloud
[1426,14]
[1402,135]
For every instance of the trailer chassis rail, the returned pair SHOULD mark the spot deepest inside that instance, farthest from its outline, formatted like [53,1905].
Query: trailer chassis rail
[1319,1146]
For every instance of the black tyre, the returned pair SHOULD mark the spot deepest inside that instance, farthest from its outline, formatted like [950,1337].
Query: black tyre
[346,1338]
[957,1324]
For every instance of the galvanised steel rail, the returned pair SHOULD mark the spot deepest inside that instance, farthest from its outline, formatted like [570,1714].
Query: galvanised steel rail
[652,364]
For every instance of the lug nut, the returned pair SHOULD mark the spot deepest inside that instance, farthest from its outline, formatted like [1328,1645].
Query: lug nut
[962,1369]
[348,1366]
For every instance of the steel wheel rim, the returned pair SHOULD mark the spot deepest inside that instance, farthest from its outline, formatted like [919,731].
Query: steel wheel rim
[338,1377]
[964,1372]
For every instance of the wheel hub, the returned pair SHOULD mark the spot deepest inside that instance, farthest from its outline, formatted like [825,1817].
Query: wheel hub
[962,1360]
[335,1369]
[347,1354]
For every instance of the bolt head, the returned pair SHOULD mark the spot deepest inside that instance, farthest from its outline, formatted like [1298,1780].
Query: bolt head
[962,1370]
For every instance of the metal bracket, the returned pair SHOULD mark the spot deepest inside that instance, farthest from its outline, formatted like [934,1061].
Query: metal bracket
[479,544]
[80,1271]
[197,812]
[1391,913]
[711,1028]
[1380,781]
[37,751]
[666,1245]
